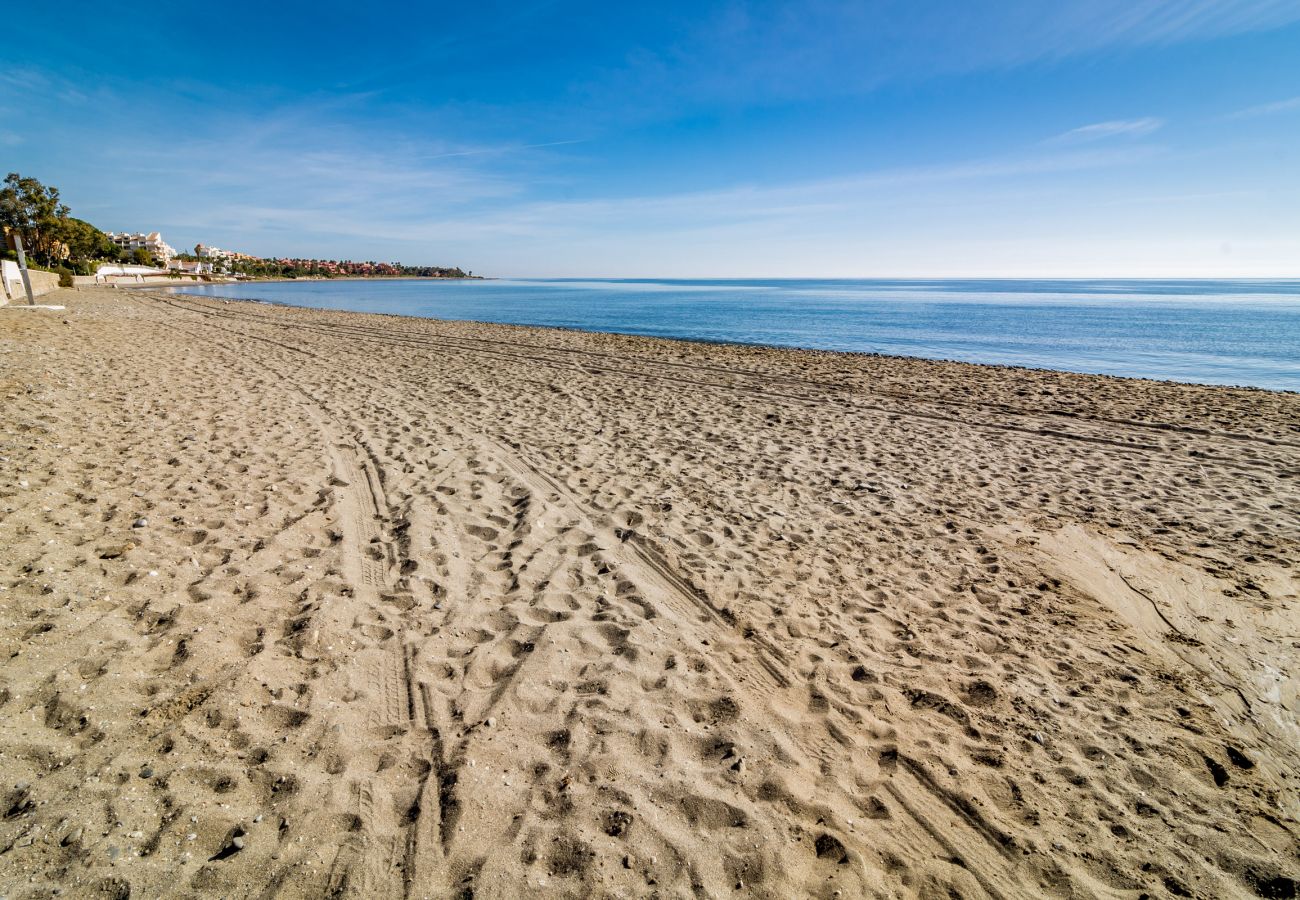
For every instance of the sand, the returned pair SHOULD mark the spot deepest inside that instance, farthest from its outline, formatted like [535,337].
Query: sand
[311,604]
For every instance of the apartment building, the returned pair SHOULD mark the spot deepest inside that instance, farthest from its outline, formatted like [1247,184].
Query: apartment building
[160,250]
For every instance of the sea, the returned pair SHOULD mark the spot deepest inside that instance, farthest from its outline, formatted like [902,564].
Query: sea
[1241,332]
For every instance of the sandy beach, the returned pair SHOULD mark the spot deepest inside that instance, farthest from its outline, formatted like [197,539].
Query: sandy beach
[310,604]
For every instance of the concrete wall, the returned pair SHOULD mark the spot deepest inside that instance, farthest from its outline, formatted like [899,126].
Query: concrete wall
[128,280]
[11,283]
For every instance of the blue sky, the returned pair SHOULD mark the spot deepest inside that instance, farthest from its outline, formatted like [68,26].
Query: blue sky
[839,139]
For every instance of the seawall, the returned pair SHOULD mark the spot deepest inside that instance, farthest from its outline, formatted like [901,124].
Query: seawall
[11,283]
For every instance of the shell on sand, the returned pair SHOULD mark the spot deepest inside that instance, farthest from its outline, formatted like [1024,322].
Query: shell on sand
[430,609]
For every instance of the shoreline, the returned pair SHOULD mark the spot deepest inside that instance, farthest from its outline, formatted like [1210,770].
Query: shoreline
[324,603]
[724,343]
[311,278]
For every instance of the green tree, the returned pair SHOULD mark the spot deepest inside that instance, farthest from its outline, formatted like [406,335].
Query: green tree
[33,211]
[85,241]
[141,257]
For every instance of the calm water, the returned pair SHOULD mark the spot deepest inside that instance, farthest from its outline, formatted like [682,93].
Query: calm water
[1214,332]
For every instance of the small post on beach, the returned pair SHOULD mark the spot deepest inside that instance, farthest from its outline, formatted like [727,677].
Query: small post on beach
[22,268]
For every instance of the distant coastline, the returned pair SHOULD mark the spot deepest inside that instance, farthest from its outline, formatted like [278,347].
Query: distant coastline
[316,278]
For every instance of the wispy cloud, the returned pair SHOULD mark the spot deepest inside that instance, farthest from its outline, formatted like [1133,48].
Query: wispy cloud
[24,78]
[1267,109]
[349,200]
[298,181]
[1169,21]
[791,205]
[29,83]
[1100,131]
[505,149]
[741,53]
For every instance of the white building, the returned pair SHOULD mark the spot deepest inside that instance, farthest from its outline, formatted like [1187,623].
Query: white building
[189,267]
[152,242]
[202,251]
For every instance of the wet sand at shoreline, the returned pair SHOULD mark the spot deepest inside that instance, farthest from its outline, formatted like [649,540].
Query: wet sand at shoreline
[302,603]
